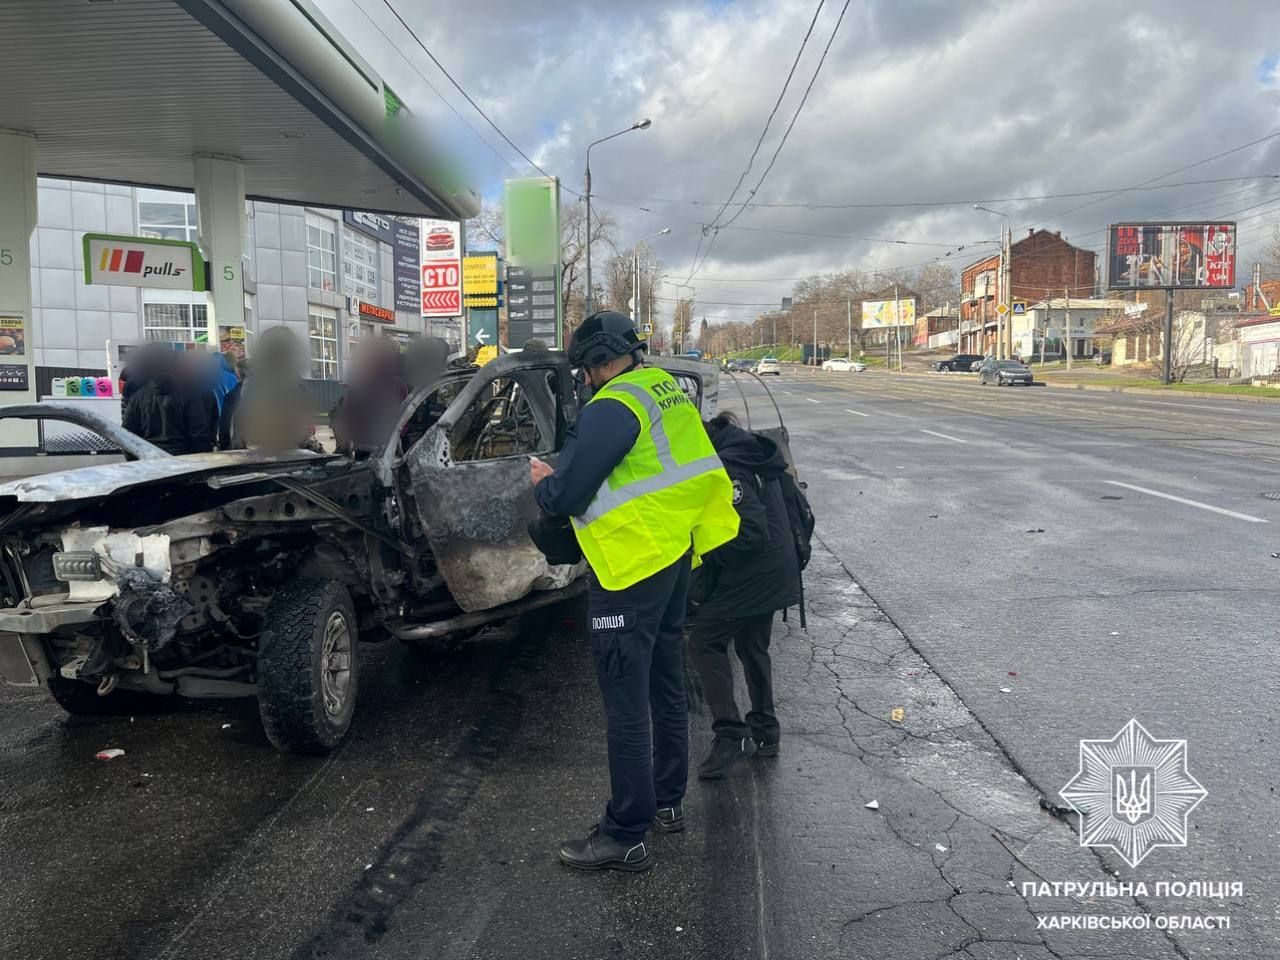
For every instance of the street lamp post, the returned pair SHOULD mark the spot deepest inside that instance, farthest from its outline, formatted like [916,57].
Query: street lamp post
[638,125]
[635,276]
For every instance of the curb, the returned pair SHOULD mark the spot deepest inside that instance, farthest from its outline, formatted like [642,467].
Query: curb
[1152,392]
[1097,387]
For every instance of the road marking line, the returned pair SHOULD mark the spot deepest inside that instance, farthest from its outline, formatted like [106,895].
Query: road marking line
[788,393]
[944,436]
[856,413]
[900,416]
[1189,406]
[1189,503]
[811,400]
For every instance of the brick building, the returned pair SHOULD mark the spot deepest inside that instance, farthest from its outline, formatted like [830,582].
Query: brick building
[1041,264]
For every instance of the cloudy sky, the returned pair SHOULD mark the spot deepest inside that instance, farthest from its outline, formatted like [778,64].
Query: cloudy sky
[921,108]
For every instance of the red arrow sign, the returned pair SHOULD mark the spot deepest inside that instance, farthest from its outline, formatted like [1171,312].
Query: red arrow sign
[442,288]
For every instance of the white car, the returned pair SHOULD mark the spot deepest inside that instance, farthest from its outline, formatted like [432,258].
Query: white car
[769,365]
[843,365]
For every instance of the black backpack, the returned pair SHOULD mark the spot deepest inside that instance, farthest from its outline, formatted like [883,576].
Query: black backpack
[801,516]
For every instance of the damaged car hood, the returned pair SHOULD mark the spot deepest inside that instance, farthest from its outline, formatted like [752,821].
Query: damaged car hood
[87,483]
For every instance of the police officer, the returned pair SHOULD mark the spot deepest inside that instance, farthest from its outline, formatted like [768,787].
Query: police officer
[646,494]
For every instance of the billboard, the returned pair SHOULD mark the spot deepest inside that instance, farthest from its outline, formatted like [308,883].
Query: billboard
[1188,256]
[888,313]
[441,268]
[403,239]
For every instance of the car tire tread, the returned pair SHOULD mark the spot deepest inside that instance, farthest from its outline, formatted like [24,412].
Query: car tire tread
[290,701]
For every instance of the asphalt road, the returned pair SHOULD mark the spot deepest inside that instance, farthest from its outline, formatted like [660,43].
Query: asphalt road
[1113,550]
[431,832]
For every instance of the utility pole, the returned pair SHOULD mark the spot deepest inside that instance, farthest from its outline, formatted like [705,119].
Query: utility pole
[849,307]
[1167,376]
[1067,324]
[1008,291]
[1048,319]
[815,336]
[897,323]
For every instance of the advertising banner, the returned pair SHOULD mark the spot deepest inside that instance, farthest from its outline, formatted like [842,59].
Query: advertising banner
[888,313]
[403,239]
[441,268]
[137,262]
[1190,256]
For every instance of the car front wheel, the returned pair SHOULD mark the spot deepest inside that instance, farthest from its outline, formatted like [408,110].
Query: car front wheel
[308,666]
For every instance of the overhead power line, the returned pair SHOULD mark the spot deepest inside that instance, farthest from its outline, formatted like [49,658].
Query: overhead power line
[824,205]
[715,230]
[772,113]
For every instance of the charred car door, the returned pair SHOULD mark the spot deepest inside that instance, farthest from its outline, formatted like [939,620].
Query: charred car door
[468,475]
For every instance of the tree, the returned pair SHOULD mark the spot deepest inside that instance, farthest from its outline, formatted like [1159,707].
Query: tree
[937,284]
[1271,256]
[485,231]
[619,276]
[681,325]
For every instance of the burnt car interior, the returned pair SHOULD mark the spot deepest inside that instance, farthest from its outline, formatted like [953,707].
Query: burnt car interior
[189,575]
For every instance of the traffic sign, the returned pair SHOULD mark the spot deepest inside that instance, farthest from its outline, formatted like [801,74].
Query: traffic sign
[1002,309]
[482,337]
[1019,308]
[441,289]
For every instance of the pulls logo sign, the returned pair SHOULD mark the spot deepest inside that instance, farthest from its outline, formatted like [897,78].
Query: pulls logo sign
[143,262]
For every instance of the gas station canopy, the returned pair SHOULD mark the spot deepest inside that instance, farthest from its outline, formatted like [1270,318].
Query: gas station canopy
[130,90]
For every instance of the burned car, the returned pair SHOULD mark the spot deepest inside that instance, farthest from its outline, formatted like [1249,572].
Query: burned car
[245,574]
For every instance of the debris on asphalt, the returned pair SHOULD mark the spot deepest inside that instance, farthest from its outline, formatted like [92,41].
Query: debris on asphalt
[933,516]
[897,714]
[1115,633]
[1036,530]
[368,809]
[1275,556]
[940,848]
[1005,690]
[679,929]
[873,805]
[110,754]
[1013,673]
[226,726]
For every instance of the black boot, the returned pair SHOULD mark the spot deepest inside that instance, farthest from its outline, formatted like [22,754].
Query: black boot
[766,747]
[724,753]
[599,851]
[669,819]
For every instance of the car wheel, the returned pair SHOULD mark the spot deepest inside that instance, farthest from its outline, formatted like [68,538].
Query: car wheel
[308,666]
[80,699]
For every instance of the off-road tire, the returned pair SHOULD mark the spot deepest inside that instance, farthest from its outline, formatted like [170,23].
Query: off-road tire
[291,698]
[80,699]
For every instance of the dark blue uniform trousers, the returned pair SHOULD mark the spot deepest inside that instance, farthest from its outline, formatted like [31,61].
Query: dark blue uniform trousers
[637,645]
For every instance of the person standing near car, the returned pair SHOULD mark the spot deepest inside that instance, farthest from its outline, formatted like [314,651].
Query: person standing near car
[739,588]
[645,490]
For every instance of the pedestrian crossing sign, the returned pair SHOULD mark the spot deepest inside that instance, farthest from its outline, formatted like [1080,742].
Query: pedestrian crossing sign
[1019,308]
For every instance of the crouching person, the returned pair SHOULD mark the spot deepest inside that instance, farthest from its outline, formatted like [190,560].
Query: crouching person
[743,584]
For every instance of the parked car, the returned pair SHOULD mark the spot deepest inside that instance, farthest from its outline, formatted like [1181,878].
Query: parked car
[977,364]
[1102,357]
[769,365]
[1002,372]
[960,363]
[843,365]
[248,574]
[742,366]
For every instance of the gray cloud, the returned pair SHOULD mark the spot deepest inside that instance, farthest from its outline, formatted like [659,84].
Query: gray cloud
[924,100]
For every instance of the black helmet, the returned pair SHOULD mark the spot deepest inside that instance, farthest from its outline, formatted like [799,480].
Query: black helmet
[604,336]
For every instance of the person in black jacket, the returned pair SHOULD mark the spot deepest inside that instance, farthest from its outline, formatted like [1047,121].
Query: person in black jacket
[743,584]
[178,416]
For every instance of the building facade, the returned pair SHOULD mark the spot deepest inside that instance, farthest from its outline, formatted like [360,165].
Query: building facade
[333,277]
[1041,265]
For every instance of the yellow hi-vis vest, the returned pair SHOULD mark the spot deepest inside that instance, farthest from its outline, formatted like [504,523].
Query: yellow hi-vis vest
[670,491]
